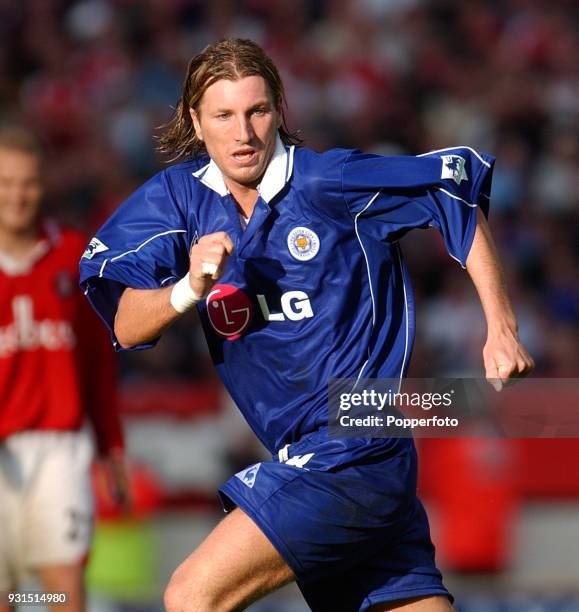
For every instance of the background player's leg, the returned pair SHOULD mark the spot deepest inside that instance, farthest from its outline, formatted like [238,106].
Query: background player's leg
[6,585]
[58,514]
[416,604]
[4,607]
[234,566]
[67,579]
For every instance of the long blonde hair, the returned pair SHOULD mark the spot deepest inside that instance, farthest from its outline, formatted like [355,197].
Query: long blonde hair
[232,59]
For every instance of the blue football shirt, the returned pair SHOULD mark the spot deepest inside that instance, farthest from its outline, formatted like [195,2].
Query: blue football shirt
[316,287]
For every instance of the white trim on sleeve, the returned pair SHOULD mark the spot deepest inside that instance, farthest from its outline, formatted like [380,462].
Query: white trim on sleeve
[475,153]
[136,250]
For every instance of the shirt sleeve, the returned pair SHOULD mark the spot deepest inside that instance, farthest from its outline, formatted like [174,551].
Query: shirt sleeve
[442,189]
[99,384]
[144,245]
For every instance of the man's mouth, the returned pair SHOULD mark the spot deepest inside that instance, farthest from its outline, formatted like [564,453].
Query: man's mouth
[244,155]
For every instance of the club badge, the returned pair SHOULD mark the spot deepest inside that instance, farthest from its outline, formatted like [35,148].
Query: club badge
[303,243]
[64,284]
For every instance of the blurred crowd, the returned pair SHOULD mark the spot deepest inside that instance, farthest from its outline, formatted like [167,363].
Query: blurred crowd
[95,78]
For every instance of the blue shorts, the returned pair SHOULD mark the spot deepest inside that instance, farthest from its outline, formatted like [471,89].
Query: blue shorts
[344,515]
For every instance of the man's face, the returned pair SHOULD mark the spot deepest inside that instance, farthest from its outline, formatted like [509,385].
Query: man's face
[238,122]
[20,190]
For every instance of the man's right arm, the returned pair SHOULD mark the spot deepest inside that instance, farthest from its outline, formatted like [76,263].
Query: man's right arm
[144,314]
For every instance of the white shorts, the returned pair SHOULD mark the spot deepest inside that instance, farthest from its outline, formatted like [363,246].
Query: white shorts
[46,502]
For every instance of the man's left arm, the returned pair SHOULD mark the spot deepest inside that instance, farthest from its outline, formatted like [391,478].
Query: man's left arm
[504,355]
[450,190]
[98,371]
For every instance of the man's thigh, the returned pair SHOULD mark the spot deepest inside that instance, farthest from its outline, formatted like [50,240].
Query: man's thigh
[234,566]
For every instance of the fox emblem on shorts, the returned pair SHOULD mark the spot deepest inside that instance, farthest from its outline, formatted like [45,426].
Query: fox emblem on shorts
[248,475]
[303,243]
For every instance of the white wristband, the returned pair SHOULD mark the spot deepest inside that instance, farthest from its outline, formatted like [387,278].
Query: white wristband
[183,298]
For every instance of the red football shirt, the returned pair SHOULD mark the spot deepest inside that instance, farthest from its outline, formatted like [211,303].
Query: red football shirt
[56,362]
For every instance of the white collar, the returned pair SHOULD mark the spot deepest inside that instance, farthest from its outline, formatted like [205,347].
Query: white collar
[277,174]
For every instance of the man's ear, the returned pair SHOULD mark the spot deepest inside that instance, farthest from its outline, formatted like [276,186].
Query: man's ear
[196,124]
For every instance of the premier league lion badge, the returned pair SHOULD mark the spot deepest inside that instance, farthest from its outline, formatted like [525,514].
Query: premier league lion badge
[453,167]
[303,243]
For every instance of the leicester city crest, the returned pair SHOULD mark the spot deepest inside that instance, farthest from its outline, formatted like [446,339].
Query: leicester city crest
[303,243]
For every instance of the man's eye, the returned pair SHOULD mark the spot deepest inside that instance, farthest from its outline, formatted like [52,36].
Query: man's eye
[259,112]
[223,116]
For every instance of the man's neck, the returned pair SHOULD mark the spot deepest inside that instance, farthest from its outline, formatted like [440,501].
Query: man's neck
[18,245]
[246,197]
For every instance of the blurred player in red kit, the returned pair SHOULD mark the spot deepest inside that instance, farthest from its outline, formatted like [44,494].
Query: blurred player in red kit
[56,368]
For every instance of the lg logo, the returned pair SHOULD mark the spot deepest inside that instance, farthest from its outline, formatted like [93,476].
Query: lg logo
[230,311]
[295,305]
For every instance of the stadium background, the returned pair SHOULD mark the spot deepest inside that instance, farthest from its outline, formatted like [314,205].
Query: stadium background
[94,78]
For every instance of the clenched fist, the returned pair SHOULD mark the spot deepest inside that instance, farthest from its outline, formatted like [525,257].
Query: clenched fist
[505,358]
[207,260]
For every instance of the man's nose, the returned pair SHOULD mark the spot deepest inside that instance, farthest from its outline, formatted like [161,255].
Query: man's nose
[244,130]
